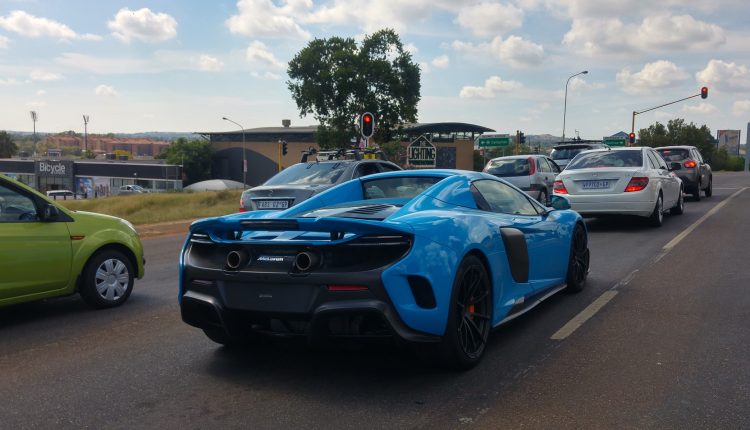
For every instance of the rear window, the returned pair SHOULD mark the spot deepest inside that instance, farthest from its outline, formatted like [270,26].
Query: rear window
[508,167]
[309,174]
[567,153]
[607,159]
[397,188]
[674,154]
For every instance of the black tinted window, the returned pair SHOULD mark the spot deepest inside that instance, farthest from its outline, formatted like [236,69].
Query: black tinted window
[309,174]
[397,188]
[509,167]
[607,159]
[674,154]
[503,199]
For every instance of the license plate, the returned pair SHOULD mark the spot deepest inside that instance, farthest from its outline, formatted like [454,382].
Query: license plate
[595,185]
[272,204]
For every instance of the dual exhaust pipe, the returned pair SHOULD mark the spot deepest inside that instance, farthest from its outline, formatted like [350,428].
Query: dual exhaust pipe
[303,261]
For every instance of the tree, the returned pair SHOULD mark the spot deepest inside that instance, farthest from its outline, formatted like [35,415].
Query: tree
[194,156]
[8,148]
[336,81]
[678,133]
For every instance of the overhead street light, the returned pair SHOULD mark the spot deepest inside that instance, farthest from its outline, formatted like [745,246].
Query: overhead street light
[244,158]
[565,103]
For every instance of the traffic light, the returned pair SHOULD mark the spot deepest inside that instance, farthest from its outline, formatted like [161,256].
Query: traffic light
[631,138]
[704,92]
[521,137]
[283,148]
[367,125]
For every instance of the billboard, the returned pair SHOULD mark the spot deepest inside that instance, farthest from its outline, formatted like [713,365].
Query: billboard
[729,139]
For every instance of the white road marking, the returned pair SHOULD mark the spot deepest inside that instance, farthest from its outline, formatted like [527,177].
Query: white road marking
[599,303]
[584,315]
[672,243]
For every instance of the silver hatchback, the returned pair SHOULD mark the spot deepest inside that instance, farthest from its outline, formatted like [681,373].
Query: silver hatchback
[534,174]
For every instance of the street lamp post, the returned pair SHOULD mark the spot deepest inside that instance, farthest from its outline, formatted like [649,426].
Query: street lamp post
[34,117]
[244,158]
[565,103]
[85,136]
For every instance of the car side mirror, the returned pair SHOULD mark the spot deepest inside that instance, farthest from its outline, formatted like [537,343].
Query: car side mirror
[674,166]
[50,213]
[559,203]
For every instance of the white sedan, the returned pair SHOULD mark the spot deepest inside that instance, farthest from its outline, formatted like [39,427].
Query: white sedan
[621,181]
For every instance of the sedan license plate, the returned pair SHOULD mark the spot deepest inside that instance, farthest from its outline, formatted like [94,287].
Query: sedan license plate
[272,204]
[595,185]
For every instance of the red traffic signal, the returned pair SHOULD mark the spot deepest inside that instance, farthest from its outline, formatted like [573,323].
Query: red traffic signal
[367,125]
[704,92]
[631,137]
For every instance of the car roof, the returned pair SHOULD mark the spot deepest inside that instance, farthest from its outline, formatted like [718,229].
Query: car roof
[519,157]
[577,145]
[675,147]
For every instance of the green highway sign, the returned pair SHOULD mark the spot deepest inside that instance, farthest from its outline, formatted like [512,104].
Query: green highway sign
[493,142]
[614,141]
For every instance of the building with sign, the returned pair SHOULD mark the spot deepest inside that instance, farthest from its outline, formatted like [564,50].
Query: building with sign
[92,177]
[453,143]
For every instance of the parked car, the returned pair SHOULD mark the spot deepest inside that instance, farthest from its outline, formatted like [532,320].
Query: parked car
[534,174]
[621,181]
[688,164]
[301,181]
[47,251]
[562,154]
[131,189]
[432,257]
[63,195]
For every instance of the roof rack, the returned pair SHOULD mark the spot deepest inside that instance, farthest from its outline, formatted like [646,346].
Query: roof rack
[315,155]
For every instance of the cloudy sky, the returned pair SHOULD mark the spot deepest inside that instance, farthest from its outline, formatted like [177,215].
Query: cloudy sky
[182,65]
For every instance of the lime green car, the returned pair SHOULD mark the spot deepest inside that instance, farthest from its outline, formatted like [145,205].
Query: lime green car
[49,251]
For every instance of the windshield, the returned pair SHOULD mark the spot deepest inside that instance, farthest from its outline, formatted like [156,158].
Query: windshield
[401,188]
[508,167]
[309,174]
[674,154]
[607,159]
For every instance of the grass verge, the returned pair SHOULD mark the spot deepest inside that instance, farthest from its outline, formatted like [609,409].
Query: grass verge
[161,207]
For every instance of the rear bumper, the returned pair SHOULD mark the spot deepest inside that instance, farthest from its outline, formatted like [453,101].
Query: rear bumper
[637,204]
[284,306]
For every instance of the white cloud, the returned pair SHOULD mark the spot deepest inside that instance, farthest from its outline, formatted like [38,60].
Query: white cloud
[411,48]
[659,74]
[267,75]
[43,75]
[29,25]
[258,52]
[492,86]
[143,25]
[515,51]
[741,107]
[209,64]
[595,36]
[724,76]
[4,42]
[703,108]
[490,19]
[262,18]
[105,91]
[579,84]
[425,68]
[41,93]
[441,62]
[105,65]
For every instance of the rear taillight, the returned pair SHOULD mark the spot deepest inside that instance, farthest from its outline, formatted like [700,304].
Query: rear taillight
[346,288]
[560,188]
[242,205]
[636,184]
[532,166]
[690,164]
[242,209]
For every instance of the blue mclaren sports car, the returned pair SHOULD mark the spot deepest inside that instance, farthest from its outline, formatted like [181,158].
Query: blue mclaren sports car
[430,257]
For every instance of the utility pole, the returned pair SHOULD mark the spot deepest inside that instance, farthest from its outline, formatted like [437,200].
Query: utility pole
[34,117]
[85,136]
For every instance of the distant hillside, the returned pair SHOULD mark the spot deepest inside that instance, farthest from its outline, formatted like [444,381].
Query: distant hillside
[154,135]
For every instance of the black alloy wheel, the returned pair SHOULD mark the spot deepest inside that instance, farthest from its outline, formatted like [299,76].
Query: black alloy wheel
[578,264]
[469,318]
[697,192]
[710,188]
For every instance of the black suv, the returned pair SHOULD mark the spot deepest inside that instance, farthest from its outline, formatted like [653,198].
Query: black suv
[301,181]
[562,154]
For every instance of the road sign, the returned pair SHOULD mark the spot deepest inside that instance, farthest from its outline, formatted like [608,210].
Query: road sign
[421,152]
[494,141]
[614,141]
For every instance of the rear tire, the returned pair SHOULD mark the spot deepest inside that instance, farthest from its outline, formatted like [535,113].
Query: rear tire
[578,263]
[543,197]
[469,317]
[680,207]
[657,216]
[697,192]
[710,188]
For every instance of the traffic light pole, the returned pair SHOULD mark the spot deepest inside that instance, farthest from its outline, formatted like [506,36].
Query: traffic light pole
[632,126]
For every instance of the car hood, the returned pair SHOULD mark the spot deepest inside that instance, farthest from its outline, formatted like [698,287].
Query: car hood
[102,220]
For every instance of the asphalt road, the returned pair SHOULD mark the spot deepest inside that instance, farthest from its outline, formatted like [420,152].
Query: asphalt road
[668,348]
